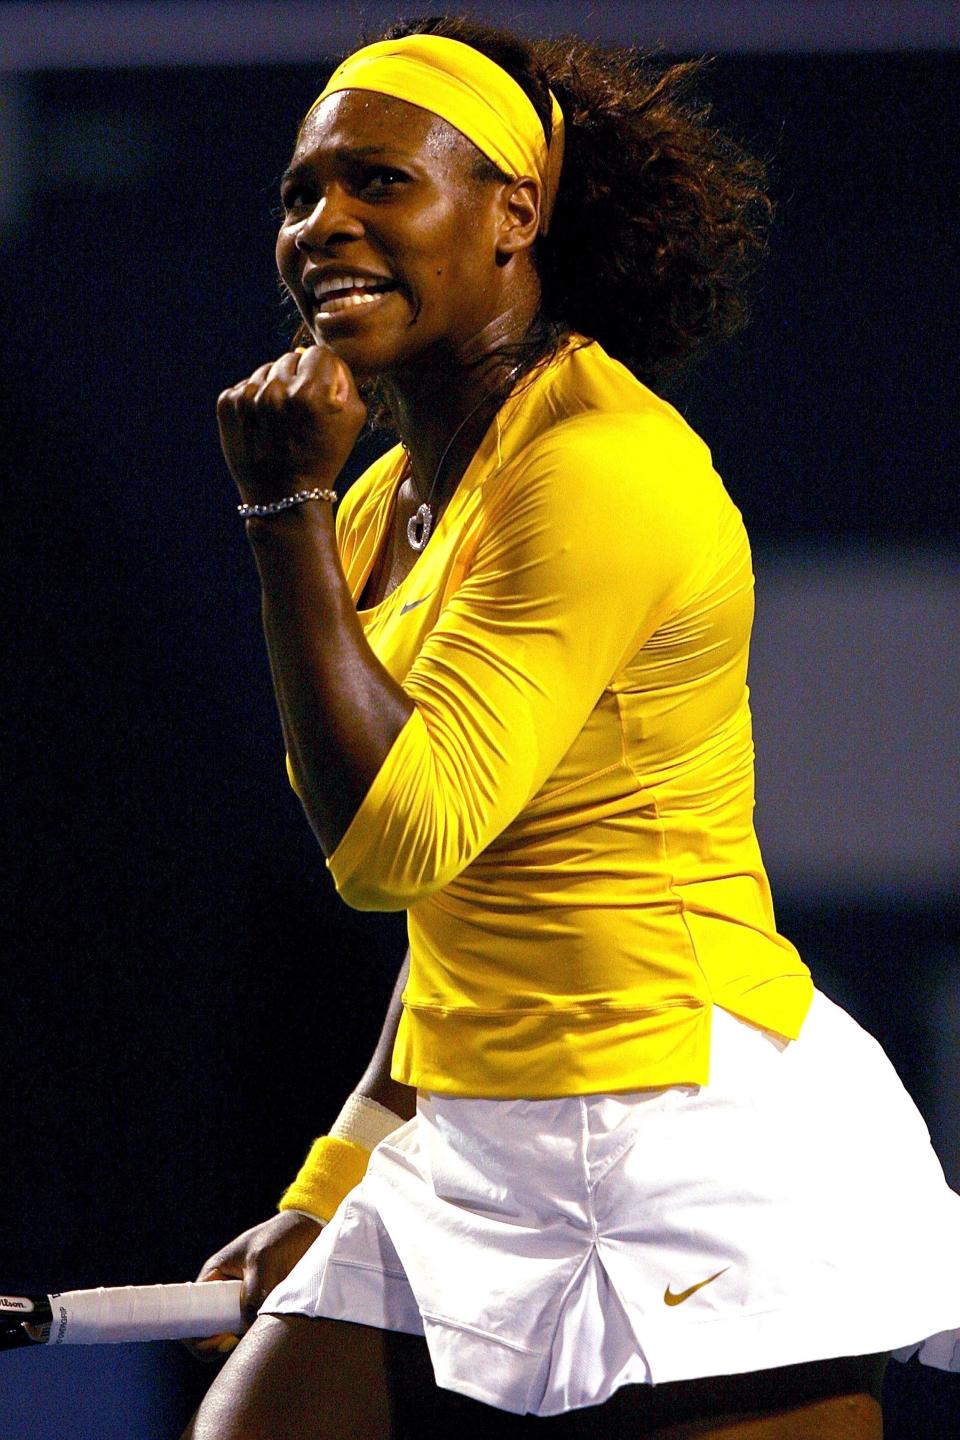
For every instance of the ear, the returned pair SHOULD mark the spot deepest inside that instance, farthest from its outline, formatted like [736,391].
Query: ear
[519,219]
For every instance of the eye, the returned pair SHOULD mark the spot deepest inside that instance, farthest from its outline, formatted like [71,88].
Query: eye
[381,178]
[295,196]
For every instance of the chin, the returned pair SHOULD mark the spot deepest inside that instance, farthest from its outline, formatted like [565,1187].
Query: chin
[365,357]
[362,365]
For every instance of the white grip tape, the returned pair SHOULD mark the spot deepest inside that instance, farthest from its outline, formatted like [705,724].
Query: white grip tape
[146,1312]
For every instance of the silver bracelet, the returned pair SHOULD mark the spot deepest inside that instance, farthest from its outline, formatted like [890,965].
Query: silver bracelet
[276,506]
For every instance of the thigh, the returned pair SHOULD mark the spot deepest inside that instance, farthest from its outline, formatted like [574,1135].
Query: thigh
[827,1400]
[822,1400]
[296,1378]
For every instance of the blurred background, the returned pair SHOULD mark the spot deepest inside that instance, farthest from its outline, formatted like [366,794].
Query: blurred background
[187,1003]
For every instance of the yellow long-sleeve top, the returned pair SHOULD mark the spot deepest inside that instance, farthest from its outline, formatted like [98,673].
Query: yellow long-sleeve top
[567,814]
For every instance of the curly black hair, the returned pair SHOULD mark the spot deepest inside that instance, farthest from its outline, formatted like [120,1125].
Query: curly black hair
[660,218]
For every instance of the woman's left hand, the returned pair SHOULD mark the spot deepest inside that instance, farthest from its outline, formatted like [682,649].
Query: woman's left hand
[291,425]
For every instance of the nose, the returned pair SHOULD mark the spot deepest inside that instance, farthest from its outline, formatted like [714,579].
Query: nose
[330,219]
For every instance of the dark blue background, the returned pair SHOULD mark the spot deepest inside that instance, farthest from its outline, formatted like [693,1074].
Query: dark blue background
[187,1001]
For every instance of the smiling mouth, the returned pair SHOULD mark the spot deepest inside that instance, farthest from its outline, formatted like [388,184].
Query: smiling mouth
[354,297]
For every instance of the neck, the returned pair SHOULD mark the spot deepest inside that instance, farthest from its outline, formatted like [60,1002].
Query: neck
[442,423]
[442,408]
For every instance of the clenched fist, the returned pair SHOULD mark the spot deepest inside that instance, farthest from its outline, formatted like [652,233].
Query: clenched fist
[291,425]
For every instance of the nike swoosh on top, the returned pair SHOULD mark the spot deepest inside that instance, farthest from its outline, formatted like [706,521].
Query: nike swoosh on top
[412,604]
[670,1299]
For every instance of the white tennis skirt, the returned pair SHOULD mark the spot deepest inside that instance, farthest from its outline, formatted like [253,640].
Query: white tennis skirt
[551,1251]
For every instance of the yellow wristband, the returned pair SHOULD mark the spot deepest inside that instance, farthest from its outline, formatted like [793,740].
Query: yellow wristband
[329,1172]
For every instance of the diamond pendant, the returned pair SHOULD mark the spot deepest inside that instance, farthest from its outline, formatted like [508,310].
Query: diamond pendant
[418,527]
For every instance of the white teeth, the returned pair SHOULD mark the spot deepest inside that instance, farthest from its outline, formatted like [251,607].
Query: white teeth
[347,302]
[326,283]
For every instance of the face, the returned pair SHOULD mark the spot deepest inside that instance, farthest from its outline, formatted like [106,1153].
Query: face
[389,245]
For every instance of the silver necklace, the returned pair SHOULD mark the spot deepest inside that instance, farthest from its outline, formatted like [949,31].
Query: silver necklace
[421,522]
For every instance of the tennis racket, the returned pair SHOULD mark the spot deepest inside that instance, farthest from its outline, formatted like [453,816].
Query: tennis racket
[118,1315]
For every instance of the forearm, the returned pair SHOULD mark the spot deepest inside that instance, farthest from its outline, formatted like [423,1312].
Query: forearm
[337,1161]
[376,1081]
[340,709]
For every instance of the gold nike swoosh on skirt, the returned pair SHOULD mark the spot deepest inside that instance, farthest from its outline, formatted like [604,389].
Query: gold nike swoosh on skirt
[670,1299]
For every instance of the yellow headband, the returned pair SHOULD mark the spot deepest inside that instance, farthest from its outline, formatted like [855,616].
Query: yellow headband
[472,93]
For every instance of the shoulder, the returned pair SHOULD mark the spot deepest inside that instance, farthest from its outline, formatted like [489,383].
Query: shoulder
[586,415]
[637,467]
[609,477]
[649,443]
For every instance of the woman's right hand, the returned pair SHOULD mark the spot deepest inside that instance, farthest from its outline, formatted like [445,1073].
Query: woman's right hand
[291,425]
[261,1257]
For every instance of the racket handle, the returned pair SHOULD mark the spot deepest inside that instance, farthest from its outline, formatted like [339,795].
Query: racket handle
[145,1312]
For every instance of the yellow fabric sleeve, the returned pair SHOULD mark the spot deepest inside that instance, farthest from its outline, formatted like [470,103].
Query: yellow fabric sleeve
[604,526]
[331,1170]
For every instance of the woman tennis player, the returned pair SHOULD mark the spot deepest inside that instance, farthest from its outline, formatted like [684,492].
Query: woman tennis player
[629,1165]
